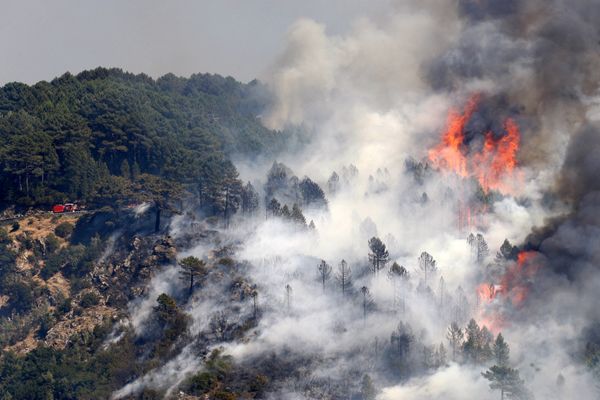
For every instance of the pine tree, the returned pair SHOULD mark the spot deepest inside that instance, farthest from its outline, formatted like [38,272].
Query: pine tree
[254,295]
[367,389]
[249,199]
[501,351]
[506,252]
[333,184]
[427,266]
[324,272]
[367,300]
[125,170]
[285,213]
[507,380]
[398,276]
[482,249]
[274,208]
[297,216]
[442,355]
[472,344]
[378,256]
[192,268]
[160,192]
[344,277]
[455,336]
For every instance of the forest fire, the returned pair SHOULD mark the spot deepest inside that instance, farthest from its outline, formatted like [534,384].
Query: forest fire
[493,165]
[509,294]
[487,157]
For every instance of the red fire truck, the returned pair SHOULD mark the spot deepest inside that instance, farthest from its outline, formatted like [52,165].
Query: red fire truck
[64,208]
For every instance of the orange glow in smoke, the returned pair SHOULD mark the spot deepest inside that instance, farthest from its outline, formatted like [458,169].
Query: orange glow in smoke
[511,293]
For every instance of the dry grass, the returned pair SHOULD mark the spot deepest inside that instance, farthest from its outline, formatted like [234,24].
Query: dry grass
[25,345]
[42,225]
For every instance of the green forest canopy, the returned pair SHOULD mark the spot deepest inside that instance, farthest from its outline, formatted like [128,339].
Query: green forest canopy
[79,137]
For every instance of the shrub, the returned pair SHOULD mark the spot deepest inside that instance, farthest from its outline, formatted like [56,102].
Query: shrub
[15,226]
[4,238]
[52,243]
[64,229]
[26,241]
[21,297]
[46,321]
[89,299]
[63,307]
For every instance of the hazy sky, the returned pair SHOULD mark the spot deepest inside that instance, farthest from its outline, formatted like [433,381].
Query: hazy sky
[41,39]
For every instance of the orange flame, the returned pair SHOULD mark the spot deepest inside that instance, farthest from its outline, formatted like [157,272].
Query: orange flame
[493,165]
[512,291]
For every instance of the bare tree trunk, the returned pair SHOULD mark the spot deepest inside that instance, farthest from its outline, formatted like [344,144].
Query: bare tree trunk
[157,221]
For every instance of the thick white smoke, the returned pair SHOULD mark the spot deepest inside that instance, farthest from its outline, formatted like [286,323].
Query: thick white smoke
[366,99]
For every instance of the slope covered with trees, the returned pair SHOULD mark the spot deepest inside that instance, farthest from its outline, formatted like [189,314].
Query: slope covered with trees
[82,137]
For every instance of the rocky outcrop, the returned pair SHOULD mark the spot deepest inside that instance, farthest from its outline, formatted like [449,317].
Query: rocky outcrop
[63,332]
[164,251]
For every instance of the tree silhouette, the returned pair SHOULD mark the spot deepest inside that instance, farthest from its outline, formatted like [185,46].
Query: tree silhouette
[254,295]
[398,276]
[455,336]
[378,256]
[324,270]
[367,300]
[288,295]
[192,268]
[427,266]
[344,277]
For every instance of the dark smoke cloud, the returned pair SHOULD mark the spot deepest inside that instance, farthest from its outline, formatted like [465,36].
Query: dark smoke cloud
[572,242]
[542,56]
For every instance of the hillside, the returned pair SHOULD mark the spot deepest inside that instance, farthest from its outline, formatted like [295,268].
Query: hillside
[64,140]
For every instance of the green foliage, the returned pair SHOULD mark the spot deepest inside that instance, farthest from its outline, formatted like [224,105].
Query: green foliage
[21,295]
[89,299]
[70,138]
[64,229]
[74,260]
[192,269]
[501,351]
[172,321]
[76,372]
[507,380]
[52,244]
[216,369]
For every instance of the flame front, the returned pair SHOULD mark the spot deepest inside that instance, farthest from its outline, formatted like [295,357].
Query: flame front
[493,165]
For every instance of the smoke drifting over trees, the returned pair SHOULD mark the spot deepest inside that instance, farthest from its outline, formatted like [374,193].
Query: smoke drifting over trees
[443,241]
[429,327]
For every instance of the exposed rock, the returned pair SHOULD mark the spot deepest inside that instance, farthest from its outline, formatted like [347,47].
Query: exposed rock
[60,334]
[164,250]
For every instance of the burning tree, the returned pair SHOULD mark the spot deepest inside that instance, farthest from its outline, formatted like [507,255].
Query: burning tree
[492,164]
